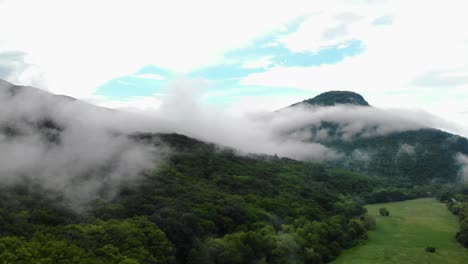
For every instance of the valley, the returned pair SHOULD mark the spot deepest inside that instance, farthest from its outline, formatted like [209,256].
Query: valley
[403,236]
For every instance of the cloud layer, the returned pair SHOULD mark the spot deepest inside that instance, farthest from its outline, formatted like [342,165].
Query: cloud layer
[84,151]
[68,145]
[287,132]
[463,161]
[406,51]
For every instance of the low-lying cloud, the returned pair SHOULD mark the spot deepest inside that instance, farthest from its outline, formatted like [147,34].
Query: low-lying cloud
[67,145]
[14,67]
[350,120]
[84,151]
[463,161]
[252,133]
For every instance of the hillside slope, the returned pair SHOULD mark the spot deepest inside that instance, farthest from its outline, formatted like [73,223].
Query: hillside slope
[75,190]
[204,205]
[418,154]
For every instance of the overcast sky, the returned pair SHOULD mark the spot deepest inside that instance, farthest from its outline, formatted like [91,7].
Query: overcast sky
[245,55]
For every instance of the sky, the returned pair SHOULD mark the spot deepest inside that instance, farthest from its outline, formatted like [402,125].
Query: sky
[243,56]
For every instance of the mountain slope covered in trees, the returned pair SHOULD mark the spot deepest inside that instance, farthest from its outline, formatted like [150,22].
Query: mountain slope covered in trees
[418,155]
[205,205]
[84,194]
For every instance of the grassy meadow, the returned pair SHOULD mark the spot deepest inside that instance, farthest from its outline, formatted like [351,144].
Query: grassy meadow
[403,236]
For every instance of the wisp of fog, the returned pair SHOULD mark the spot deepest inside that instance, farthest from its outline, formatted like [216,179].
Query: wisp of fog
[69,146]
[84,150]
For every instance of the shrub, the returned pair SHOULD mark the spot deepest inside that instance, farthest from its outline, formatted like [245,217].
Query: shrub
[430,249]
[384,212]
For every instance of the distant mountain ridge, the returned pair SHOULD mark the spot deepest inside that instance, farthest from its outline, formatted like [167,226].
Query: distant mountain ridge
[420,156]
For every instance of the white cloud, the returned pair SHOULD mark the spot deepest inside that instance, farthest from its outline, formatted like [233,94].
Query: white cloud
[394,56]
[151,76]
[82,44]
[264,62]
[62,165]
[425,47]
[84,151]
[140,104]
[324,29]
[270,103]
[72,47]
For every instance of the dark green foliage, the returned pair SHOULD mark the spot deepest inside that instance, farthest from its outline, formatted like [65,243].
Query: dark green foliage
[368,222]
[205,205]
[461,210]
[364,188]
[393,194]
[207,200]
[36,227]
[412,157]
[209,205]
[25,209]
[384,212]
[430,249]
[133,240]
[456,198]
[212,205]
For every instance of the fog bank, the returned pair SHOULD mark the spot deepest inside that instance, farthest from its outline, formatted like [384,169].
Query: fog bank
[83,150]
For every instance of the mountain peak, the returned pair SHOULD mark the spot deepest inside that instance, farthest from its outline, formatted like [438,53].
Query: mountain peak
[336,97]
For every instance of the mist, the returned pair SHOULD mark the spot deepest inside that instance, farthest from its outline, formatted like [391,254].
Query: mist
[69,146]
[295,132]
[250,133]
[84,151]
[463,161]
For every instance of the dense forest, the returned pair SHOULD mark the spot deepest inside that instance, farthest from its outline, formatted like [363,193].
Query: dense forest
[419,157]
[205,205]
[456,198]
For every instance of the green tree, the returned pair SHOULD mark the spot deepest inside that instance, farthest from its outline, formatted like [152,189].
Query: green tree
[384,212]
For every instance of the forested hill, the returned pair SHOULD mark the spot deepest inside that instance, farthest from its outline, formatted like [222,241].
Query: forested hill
[84,194]
[205,205]
[417,155]
[421,156]
[216,206]
[75,189]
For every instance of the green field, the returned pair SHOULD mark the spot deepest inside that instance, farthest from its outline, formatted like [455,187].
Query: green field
[403,236]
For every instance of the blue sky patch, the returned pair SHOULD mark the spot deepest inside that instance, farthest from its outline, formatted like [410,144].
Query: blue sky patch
[130,86]
[236,65]
[145,82]
[224,72]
